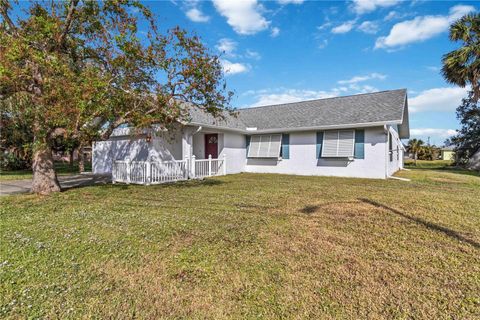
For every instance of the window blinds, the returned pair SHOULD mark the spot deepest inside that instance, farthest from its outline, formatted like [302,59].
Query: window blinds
[338,143]
[265,146]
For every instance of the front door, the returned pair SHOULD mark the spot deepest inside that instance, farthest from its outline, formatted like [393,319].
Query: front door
[211,145]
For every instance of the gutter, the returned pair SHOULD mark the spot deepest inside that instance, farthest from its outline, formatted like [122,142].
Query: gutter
[296,129]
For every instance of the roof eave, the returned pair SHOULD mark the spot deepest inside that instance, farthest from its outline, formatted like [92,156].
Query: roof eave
[297,129]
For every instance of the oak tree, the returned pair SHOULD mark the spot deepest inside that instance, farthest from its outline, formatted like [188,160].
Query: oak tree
[82,68]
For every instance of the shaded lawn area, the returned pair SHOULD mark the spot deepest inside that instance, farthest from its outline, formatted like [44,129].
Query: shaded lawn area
[246,246]
[62,169]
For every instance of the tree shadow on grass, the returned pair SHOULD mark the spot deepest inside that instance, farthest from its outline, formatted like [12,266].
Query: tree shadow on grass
[309,209]
[430,225]
[80,181]
[176,184]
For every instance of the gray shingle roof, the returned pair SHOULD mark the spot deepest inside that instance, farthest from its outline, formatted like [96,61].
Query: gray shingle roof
[378,107]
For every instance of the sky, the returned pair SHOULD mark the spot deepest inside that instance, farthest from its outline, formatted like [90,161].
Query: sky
[292,50]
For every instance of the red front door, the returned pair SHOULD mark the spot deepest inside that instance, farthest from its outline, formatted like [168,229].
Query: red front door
[211,145]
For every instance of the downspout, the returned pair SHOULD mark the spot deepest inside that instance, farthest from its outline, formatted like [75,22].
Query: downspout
[386,130]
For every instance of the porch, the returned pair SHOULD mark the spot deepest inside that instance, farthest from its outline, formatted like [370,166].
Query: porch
[157,172]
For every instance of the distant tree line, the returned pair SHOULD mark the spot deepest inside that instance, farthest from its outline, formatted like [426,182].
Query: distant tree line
[421,151]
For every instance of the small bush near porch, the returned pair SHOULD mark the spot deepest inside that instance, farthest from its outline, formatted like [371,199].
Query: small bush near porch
[247,246]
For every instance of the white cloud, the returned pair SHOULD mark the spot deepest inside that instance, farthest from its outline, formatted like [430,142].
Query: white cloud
[283,2]
[252,54]
[284,95]
[245,17]
[323,44]
[442,133]
[437,99]
[344,27]
[362,88]
[226,45]
[358,79]
[324,26]
[290,95]
[433,68]
[365,6]
[421,28]
[391,15]
[196,15]
[369,27]
[231,68]
[275,32]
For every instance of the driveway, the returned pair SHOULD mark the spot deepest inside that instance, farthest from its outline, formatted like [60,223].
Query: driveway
[66,182]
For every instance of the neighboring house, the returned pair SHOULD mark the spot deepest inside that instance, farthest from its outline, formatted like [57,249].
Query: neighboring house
[351,136]
[447,153]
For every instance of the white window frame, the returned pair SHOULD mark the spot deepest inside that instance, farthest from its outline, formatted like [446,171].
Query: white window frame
[338,139]
[277,152]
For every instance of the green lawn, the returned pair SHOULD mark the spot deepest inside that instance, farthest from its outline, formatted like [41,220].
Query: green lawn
[62,169]
[247,246]
[429,164]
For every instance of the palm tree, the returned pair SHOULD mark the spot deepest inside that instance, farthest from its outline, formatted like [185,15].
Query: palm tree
[462,66]
[415,146]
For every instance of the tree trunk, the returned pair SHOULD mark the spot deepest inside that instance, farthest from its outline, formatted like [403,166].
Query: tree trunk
[71,153]
[416,155]
[44,176]
[81,159]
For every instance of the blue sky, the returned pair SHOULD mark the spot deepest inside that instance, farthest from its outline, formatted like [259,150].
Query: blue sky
[285,51]
[292,50]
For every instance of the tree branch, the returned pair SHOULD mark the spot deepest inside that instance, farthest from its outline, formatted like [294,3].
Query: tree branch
[4,6]
[68,21]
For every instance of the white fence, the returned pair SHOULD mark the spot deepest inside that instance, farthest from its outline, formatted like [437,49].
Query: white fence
[155,172]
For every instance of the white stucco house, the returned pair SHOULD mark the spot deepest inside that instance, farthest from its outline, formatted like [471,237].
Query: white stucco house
[350,136]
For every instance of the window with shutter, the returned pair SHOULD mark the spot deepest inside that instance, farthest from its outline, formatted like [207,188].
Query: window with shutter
[338,143]
[265,146]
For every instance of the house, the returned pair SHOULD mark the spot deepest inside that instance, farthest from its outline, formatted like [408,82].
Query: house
[349,136]
[447,153]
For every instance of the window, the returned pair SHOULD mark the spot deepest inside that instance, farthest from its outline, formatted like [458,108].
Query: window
[338,143]
[265,146]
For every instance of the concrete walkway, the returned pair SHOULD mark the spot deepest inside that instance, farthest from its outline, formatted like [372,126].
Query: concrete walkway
[66,182]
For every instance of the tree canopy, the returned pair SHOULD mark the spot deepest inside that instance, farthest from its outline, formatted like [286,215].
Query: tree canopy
[83,68]
[467,139]
[462,66]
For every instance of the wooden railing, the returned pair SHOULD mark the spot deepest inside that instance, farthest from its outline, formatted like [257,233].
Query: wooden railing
[155,172]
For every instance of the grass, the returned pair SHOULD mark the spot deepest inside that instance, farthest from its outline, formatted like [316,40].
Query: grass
[439,165]
[246,246]
[429,164]
[62,169]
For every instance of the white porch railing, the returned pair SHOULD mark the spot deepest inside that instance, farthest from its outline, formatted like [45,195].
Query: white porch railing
[156,172]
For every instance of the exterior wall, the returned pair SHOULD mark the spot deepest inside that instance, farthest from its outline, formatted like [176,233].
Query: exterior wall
[448,155]
[165,146]
[394,158]
[303,160]
[230,144]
